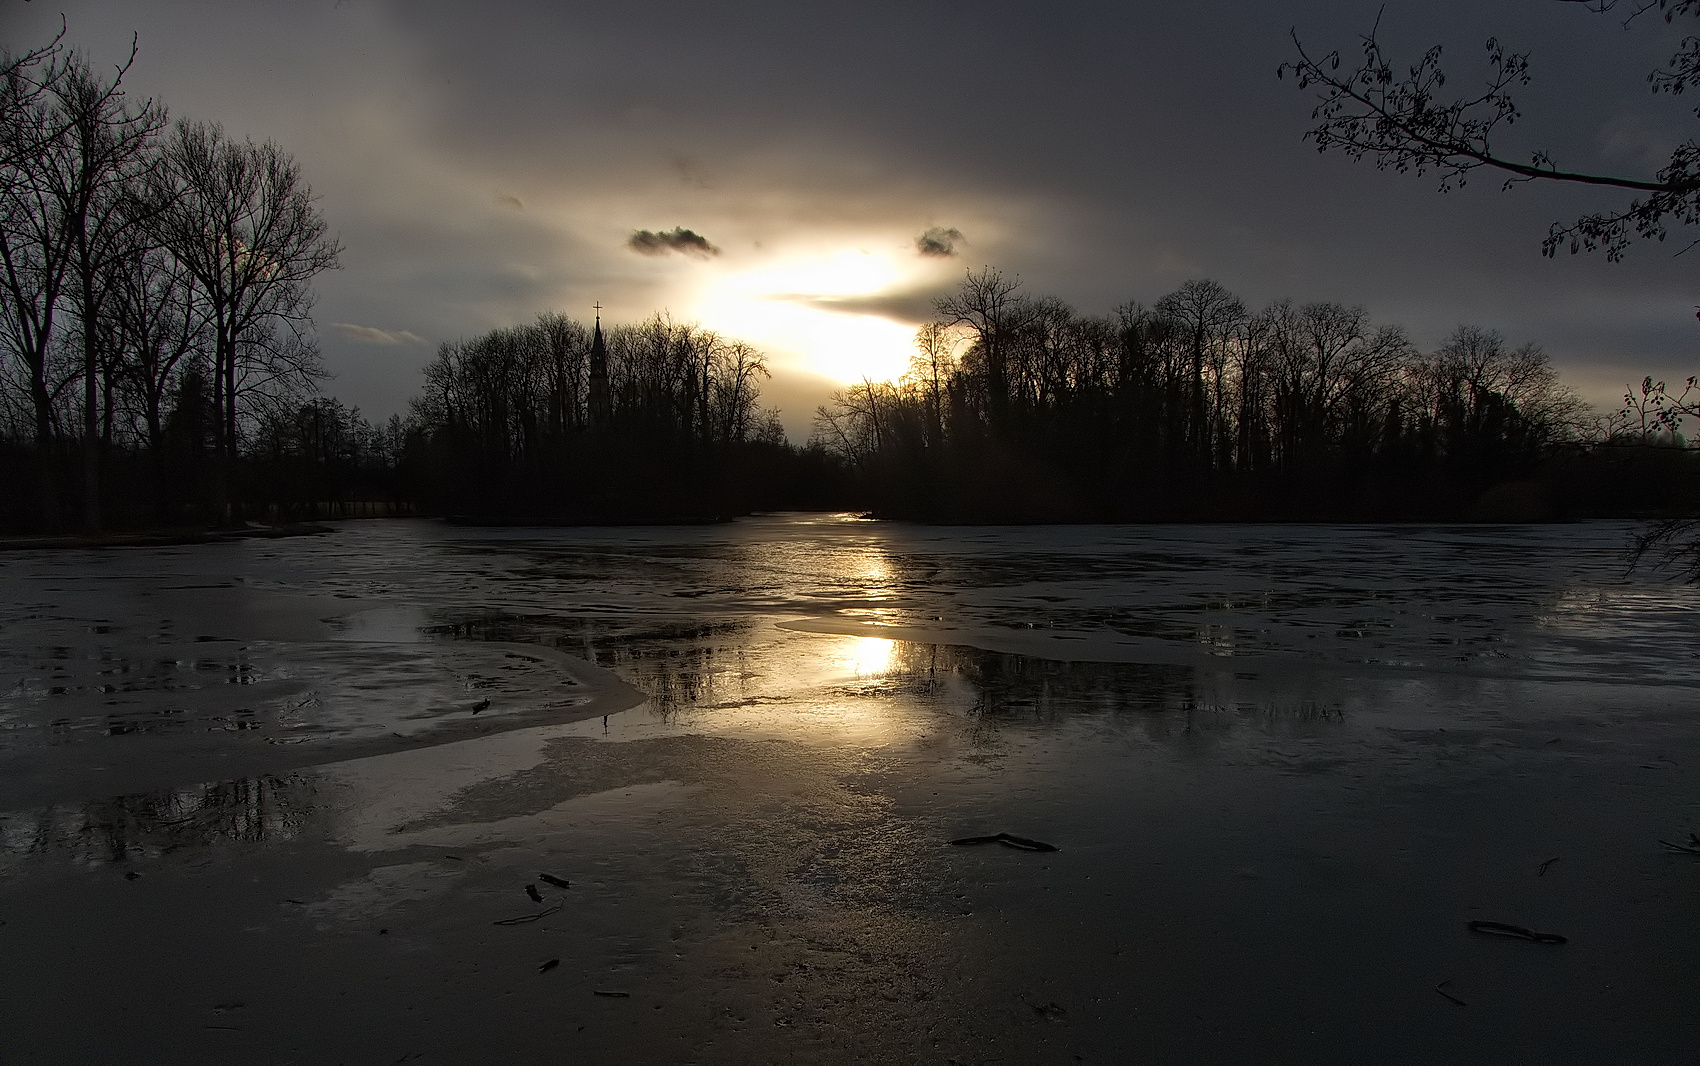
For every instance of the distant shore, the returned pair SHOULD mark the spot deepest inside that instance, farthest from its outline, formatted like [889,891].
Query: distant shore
[158,538]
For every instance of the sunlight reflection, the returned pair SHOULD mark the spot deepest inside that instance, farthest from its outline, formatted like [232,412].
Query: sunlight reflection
[871,572]
[869,656]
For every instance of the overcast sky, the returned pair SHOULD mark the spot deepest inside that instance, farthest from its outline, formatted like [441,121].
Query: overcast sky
[485,162]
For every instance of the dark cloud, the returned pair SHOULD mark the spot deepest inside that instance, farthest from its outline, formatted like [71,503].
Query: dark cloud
[912,305]
[679,239]
[938,241]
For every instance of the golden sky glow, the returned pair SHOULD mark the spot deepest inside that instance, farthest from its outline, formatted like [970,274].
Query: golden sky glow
[782,303]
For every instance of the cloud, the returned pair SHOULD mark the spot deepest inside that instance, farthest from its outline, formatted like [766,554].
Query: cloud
[911,305]
[509,201]
[680,239]
[938,242]
[374,335]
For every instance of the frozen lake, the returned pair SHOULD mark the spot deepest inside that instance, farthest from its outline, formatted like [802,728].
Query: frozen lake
[1284,766]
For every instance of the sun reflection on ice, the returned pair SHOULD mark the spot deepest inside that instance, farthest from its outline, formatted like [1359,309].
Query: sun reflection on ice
[869,656]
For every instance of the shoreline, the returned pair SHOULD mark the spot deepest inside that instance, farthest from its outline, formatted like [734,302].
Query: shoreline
[161,538]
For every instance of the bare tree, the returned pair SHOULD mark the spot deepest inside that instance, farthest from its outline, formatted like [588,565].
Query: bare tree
[92,174]
[277,367]
[989,305]
[244,224]
[567,346]
[852,424]
[24,78]
[1475,392]
[1332,376]
[1208,316]
[34,254]
[120,256]
[159,328]
[736,390]
[931,367]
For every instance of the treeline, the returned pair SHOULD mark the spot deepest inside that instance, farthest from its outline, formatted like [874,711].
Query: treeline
[1018,408]
[559,421]
[157,362]
[158,367]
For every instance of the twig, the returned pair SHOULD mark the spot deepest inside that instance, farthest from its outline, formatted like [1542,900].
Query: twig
[1008,840]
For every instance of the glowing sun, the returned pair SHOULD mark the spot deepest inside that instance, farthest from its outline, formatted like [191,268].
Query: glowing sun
[803,307]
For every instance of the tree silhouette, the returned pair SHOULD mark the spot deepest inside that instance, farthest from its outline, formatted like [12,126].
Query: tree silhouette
[1193,408]
[126,259]
[242,220]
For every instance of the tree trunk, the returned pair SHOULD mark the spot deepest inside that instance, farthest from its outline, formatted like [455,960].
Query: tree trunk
[224,355]
[91,411]
[48,487]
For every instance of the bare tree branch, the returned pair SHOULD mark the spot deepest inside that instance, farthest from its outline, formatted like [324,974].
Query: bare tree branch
[1404,122]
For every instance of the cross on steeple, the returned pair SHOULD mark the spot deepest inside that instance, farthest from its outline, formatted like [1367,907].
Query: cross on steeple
[598,306]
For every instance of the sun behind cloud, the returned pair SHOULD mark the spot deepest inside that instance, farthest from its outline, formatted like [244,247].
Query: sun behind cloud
[784,304]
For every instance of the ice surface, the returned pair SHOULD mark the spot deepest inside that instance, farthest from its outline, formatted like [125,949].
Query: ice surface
[1284,764]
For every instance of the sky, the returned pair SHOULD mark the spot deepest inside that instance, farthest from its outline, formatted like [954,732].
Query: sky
[810,176]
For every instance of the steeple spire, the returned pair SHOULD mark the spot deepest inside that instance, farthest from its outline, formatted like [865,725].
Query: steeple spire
[600,407]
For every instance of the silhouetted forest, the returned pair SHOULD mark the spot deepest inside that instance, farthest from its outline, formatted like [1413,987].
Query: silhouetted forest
[1019,409]
[159,365]
[554,421]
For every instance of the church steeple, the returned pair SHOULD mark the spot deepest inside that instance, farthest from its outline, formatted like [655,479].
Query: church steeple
[600,408]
